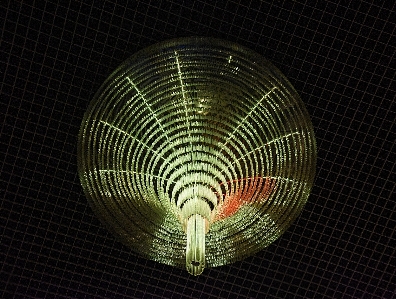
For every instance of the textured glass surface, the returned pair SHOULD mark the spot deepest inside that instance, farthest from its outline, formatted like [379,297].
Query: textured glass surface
[197,132]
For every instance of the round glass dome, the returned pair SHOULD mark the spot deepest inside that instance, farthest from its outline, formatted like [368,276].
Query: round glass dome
[197,152]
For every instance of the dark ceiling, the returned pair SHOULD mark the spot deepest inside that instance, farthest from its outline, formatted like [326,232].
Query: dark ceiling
[340,56]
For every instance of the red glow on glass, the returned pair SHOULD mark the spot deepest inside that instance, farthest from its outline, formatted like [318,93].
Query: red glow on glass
[251,190]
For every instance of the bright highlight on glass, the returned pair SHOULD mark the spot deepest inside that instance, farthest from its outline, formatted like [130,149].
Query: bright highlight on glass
[197,152]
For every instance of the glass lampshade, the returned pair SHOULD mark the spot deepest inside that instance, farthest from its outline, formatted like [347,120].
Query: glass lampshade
[197,152]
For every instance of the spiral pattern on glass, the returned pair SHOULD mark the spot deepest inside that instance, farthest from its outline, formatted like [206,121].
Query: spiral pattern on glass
[197,133]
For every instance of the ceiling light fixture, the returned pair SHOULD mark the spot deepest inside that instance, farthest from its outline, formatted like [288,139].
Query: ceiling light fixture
[197,152]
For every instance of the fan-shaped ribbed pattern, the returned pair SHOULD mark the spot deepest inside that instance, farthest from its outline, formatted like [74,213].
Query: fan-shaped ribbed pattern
[191,125]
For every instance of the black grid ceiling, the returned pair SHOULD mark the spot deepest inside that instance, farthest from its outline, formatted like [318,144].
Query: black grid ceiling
[338,55]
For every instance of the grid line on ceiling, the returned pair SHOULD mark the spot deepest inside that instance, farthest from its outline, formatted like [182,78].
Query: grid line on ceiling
[340,57]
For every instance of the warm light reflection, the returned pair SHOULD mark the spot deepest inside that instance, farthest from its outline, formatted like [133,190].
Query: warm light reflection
[258,190]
